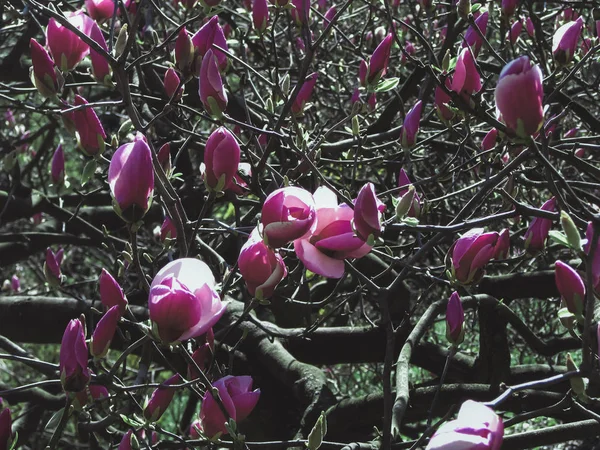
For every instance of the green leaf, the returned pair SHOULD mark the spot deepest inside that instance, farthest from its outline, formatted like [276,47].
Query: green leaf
[315,438]
[387,85]
[559,237]
[132,422]
[54,420]
[88,171]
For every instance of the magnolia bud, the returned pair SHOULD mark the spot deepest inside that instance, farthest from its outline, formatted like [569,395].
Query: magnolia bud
[570,229]
[405,203]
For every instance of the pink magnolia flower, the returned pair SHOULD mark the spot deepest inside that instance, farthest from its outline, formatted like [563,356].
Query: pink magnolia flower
[129,441]
[441,101]
[519,95]
[371,72]
[221,160]
[472,37]
[261,268]
[237,397]
[73,359]
[183,302]
[515,31]
[305,93]
[100,67]
[66,47]
[52,267]
[470,253]
[410,127]
[455,318]
[211,33]
[466,79]
[6,435]
[184,52]
[301,11]
[287,214]
[564,41]
[211,89]
[161,399]
[537,233]
[477,427]
[329,15]
[502,249]
[168,230]
[104,332]
[489,141]
[90,133]
[202,355]
[111,293]
[530,27]
[171,83]
[15,283]
[57,169]
[100,10]
[571,287]
[260,15]
[164,158]
[131,180]
[332,239]
[367,213]
[508,7]
[44,74]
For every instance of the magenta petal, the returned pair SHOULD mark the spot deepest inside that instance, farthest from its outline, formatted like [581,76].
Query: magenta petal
[318,262]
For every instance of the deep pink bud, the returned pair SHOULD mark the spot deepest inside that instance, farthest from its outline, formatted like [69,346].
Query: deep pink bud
[161,399]
[519,96]
[442,100]
[301,11]
[184,52]
[6,436]
[472,38]
[202,356]
[104,332]
[57,168]
[455,318]
[261,268]
[470,254]
[52,268]
[530,27]
[183,302]
[129,441]
[508,7]
[100,10]
[73,359]
[410,127]
[168,230]
[403,180]
[211,90]
[355,96]
[305,93]
[171,83]
[502,249]
[111,293]
[378,63]
[90,394]
[515,31]
[367,213]
[44,75]
[100,66]
[477,427]
[287,214]
[537,233]
[329,15]
[237,397]
[564,41]
[363,72]
[66,47]
[571,287]
[260,15]
[90,133]
[164,157]
[211,33]
[466,79]
[131,180]
[221,159]
[489,141]
[15,283]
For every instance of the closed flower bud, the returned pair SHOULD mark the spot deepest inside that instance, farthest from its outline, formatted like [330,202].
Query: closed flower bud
[537,233]
[183,302]
[378,63]
[52,268]
[410,127]
[564,41]
[441,100]
[111,293]
[164,158]
[168,230]
[261,268]
[367,214]
[472,37]
[73,359]
[466,79]
[15,284]
[329,15]
[578,384]
[6,435]
[519,96]
[100,66]
[515,31]
[455,318]
[104,332]
[508,7]
[66,47]
[405,203]
[211,33]
[184,53]
[131,180]
[161,399]
[92,393]
[304,94]
[171,83]
[470,254]
[570,230]
[403,180]
[57,169]
[44,76]
[530,27]
[221,159]
[287,214]
[90,133]
[129,442]
[237,397]
[211,90]
[201,356]
[502,249]
[260,15]
[301,12]
[571,287]
[489,141]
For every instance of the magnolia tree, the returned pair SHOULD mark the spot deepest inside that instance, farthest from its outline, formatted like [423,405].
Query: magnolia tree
[281,224]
